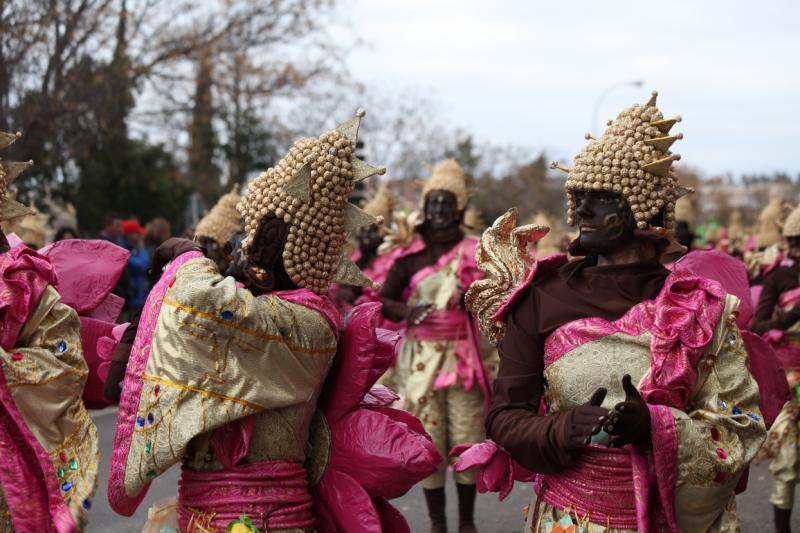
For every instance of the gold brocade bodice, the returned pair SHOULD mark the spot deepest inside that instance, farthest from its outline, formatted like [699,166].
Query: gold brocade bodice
[573,378]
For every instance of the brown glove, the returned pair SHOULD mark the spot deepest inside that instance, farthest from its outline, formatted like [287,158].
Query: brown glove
[585,421]
[169,250]
[629,422]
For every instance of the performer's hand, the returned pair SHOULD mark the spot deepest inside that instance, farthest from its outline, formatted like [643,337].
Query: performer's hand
[629,422]
[586,420]
[4,246]
[169,250]
[415,315]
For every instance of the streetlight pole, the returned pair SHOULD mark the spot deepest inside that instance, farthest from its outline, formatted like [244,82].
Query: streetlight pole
[637,83]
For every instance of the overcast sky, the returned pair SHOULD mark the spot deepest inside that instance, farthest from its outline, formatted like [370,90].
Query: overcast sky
[531,73]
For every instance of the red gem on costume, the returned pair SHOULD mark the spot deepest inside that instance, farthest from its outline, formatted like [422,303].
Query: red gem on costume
[156,390]
[172,282]
[63,457]
[715,433]
[17,357]
[720,477]
[722,453]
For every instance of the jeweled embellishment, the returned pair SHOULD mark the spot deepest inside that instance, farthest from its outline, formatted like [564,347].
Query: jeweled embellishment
[715,433]
[284,331]
[87,503]
[66,486]
[226,314]
[148,447]
[723,405]
[60,472]
[754,416]
[17,357]
[61,346]
[722,453]
[736,410]
[63,457]
[156,390]
[731,338]
[140,422]
[150,418]
[73,464]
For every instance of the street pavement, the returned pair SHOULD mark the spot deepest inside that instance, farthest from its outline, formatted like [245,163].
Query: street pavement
[492,516]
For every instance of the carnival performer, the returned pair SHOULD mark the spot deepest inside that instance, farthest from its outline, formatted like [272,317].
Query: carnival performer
[440,362]
[652,413]
[777,318]
[225,372]
[214,229]
[50,447]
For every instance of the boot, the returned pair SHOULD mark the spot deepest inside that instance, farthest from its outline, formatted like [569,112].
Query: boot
[435,500]
[783,521]
[466,508]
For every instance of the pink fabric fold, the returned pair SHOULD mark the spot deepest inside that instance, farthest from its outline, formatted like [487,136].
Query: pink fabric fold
[24,276]
[686,313]
[497,470]
[88,270]
[274,494]
[27,475]
[232,441]
[655,470]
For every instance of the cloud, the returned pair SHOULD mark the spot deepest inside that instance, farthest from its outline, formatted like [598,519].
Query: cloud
[531,72]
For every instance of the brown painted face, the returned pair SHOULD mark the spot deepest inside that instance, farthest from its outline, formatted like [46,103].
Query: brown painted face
[369,238]
[441,210]
[794,247]
[605,221]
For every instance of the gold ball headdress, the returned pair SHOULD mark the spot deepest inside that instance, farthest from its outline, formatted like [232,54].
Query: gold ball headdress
[791,228]
[631,158]
[770,222]
[9,171]
[447,176]
[382,204]
[222,221]
[309,189]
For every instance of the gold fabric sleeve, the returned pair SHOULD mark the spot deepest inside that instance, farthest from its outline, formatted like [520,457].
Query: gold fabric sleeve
[219,354]
[720,432]
[46,373]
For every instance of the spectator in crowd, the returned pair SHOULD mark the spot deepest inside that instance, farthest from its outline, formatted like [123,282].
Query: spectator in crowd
[138,263]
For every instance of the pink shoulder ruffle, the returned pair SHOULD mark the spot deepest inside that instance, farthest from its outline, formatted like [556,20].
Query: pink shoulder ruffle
[686,312]
[24,276]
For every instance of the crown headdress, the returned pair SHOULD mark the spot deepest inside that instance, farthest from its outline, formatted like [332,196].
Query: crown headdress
[447,176]
[309,190]
[222,221]
[9,171]
[631,158]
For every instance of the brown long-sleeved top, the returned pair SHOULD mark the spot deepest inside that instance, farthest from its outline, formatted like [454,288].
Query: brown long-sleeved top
[399,276]
[573,292]
[777,282]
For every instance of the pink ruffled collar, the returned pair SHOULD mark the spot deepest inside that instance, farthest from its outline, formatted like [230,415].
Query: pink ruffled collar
[24,276]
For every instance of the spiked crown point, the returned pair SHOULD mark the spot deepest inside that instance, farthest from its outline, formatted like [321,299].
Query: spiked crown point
[9,171]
